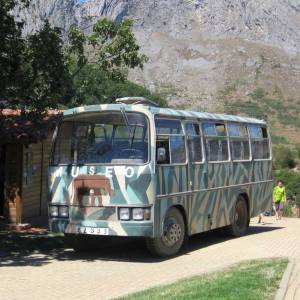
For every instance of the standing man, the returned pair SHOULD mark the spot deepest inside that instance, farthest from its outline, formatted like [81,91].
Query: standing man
[279,198]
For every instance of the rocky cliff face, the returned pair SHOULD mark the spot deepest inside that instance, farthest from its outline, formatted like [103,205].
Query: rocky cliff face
[202,53]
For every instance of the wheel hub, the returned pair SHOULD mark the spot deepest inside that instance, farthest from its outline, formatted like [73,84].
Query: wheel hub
[172,233]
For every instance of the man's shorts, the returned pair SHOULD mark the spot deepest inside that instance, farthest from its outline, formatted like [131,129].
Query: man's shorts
[278,206]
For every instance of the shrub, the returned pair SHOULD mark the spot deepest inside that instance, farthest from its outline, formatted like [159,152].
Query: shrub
[283,158]
[291,181]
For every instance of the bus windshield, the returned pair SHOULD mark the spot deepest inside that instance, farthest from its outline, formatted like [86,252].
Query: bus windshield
[102,138]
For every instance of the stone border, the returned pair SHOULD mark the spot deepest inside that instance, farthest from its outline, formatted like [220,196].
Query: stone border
[283,286]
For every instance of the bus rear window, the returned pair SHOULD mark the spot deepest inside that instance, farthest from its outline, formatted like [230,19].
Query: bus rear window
[259,142]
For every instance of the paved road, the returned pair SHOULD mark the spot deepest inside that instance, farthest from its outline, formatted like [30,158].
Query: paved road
[127,268]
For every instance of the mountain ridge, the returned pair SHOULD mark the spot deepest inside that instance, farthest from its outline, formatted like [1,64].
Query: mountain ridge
[208,55]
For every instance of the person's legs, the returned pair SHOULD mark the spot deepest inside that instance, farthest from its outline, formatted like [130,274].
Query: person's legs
[276,207]
[280,210]
[261,218]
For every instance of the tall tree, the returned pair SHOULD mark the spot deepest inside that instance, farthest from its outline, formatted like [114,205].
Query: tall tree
[45,70]
[11,49]
[101,60]
[47,81]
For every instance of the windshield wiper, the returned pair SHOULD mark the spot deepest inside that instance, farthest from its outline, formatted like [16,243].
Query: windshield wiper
[126,121]
[132,138]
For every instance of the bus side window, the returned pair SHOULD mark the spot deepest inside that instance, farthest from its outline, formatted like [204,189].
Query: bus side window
[170,137]
[194,142]
[163,142]
[216,142]
[239,142]
[259,142]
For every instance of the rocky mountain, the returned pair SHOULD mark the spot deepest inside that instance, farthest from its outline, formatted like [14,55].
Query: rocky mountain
[234,55]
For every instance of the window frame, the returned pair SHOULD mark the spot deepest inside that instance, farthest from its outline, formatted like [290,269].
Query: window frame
[241,139]
[69,119]
[216,137]
[169,135]
[201,140]
[260,139]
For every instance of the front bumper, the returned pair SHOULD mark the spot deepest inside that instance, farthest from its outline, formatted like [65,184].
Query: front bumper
[116,228]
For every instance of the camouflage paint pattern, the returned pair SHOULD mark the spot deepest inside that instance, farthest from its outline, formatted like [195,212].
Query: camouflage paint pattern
[205,192]
[102,210]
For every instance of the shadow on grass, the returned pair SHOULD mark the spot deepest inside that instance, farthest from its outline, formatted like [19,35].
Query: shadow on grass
[41,248]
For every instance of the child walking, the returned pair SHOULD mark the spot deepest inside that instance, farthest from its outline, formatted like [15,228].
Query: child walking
[279,198]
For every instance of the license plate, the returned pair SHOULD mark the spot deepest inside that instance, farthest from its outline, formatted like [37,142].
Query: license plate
[92,230]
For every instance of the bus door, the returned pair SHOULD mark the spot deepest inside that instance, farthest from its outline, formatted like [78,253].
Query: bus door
[171,167]
[197,177]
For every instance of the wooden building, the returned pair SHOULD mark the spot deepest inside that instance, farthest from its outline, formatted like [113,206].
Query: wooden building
[24,159]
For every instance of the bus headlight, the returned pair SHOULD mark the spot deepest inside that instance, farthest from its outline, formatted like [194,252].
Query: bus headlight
[63,211]
[53,211]
[138,214]
[124,213]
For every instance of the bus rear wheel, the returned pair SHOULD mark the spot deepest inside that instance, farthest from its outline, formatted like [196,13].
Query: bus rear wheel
[240,218]
[173,235]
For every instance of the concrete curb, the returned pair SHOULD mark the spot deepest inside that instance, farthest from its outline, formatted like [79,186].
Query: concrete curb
[281,292]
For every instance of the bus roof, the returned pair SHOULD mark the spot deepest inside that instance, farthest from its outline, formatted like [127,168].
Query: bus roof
[167,112]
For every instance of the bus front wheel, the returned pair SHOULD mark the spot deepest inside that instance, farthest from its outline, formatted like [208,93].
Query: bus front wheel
[172,237]
[240,218]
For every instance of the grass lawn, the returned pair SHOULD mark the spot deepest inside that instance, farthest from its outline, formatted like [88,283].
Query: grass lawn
[251,280]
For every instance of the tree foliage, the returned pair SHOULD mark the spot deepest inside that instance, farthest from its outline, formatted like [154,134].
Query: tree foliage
[47,81]
[291,181]
[43,70]
[11,50]
[99,62]
[93,86]
[111,47]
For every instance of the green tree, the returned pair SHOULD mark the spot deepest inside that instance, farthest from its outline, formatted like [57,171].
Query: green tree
[291,181]
[11,50]
[99,62]
[111,47]
[48,82]
[45,70]
[93,87]
[33,70]
[41,71]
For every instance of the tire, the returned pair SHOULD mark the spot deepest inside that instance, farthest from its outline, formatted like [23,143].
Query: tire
[173,235]
[240,219]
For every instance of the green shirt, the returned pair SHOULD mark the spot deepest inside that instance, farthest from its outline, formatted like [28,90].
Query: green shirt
[279,194]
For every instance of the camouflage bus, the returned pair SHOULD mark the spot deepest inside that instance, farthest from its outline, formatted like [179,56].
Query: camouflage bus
[133,169]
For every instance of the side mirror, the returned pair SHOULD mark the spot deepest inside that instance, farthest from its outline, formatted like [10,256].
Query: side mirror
[161,154]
